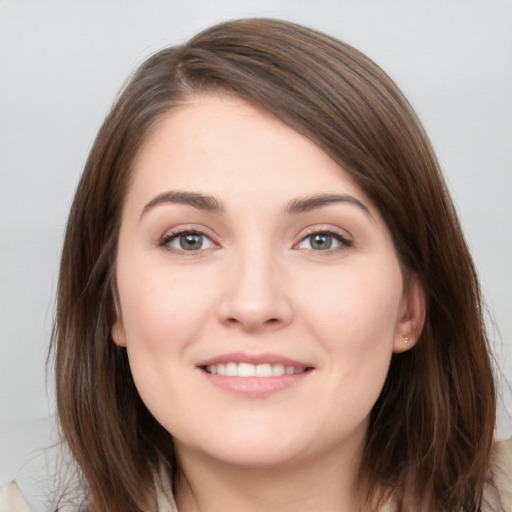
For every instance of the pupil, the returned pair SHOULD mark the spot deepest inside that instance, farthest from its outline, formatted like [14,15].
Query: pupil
[321,242]
[191,242]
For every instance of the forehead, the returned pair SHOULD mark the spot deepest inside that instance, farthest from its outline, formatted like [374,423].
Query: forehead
[220,144]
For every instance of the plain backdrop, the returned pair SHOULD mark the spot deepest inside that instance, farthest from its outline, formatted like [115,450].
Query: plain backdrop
[61,65]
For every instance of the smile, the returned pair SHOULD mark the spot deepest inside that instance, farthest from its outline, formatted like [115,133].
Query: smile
[233,369]
[254,375]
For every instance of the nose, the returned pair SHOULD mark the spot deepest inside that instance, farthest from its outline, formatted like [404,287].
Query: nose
[255,296]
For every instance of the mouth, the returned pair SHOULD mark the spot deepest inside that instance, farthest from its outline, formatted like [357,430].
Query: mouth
[264,370]
[254,375]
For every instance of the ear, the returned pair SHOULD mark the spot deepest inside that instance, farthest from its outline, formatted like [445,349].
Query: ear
[117,329]
[411,315]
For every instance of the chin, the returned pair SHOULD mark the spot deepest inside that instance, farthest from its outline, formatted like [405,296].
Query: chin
[261,446]
[257,455]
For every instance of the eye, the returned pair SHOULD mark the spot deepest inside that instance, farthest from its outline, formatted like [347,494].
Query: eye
[324,241]
[188,241]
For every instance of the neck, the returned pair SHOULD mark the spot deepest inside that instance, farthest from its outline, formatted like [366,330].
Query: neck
[328,483]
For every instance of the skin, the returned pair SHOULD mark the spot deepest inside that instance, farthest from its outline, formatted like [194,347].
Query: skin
[258,285]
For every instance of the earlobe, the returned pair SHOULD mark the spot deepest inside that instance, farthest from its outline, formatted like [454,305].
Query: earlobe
[412,316]
[117,333]
[117,330]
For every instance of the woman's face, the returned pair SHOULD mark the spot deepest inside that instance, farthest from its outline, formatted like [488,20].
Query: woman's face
[260,296]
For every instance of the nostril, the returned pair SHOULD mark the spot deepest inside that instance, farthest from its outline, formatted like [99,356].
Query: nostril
[253,323]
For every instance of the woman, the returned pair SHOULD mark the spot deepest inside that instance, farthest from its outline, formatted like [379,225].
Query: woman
[265,299]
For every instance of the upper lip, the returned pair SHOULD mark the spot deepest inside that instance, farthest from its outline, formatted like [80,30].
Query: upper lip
[253,359]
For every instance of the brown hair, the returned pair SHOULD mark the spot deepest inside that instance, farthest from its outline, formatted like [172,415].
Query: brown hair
[431,429]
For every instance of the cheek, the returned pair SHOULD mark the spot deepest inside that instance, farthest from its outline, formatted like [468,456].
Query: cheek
[163,309]
[355,319]
[163,314]
[361,302]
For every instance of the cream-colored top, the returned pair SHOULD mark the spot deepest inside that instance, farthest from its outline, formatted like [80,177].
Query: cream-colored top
[11,499]
[497,495]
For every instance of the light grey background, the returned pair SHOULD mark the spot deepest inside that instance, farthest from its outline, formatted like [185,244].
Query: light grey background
[61,65]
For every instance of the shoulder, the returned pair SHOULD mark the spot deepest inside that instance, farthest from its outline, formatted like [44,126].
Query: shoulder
[498,489]
[500,469]
[11,499]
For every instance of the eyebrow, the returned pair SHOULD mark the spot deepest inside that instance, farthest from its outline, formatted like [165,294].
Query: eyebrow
[306,204]
[194,199]
[211,204]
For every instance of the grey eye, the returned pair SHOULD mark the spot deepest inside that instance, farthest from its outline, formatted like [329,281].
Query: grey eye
[190,242]
[320,242]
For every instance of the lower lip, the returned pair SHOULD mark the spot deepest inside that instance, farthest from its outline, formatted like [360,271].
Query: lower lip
[255,386]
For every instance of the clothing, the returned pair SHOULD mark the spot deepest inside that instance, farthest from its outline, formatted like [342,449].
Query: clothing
[501,473]
[498,491]
[497,495]
[11,499]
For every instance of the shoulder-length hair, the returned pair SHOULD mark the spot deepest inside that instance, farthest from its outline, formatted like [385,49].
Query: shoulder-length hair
[431,429]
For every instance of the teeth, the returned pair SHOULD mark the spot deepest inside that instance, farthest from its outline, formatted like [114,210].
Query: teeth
[264,370]
[231,370]
[253,370]
[278,370]
[246,370]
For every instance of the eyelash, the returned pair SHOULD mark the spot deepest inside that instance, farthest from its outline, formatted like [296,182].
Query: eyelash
[169,237]
[345,243]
